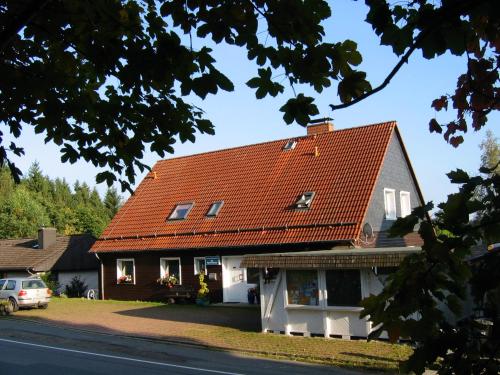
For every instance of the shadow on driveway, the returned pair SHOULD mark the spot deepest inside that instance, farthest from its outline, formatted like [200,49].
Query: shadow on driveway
[243,319]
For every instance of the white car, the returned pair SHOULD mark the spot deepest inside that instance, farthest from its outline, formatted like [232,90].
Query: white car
[25,292]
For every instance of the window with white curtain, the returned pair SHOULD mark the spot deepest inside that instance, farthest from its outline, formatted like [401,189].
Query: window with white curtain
[404,197]
[390,204]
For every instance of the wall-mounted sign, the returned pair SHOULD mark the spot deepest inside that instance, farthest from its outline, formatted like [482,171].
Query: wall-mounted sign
[212,261]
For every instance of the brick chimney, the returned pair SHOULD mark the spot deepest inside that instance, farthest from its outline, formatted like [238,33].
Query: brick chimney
[46,237]
[320,127]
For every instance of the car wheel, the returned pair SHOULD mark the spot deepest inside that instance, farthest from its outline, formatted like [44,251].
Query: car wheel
[13,304]
[43,306]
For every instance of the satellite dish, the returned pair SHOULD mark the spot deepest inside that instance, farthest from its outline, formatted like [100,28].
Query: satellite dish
[368,230]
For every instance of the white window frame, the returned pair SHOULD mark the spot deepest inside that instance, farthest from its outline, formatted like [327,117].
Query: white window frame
[405,211]
[216,212]
[319,280]
[322,294]
[196,270]
[392,196]
[341,307]
[173,215]
[119,269]
[163,270]
[305,200]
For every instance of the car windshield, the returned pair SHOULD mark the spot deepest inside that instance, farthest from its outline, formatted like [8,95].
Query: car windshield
[33,284]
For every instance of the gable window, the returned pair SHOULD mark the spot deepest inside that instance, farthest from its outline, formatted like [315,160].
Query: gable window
[390,204]
[199,265]
[180,211]
[170,270]
[125,271]
[305,200]
[343,287]
[302,287]
[215,208]
[404,197]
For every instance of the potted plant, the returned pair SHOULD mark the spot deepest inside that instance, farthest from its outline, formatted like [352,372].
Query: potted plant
[122,279]
[202,296]
[168,280]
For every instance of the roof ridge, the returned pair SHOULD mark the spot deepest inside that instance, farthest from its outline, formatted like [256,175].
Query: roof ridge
[392,123]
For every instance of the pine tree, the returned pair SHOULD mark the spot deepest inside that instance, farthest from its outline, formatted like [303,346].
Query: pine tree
[112,202]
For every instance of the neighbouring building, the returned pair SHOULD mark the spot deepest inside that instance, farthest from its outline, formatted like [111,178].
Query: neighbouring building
[63,256]
[330,190]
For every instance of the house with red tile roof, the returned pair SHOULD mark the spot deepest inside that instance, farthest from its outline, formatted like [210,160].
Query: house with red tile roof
[329,190]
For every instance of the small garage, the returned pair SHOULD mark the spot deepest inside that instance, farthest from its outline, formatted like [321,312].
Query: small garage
[319,293]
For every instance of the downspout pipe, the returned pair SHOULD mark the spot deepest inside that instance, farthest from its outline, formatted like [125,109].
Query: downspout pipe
[101,292]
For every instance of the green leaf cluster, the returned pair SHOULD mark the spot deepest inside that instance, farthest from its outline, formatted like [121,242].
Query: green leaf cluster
[108,80]
[40,201]
[461,27]
[426,299]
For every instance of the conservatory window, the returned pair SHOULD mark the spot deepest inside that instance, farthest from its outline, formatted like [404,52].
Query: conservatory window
[302,287]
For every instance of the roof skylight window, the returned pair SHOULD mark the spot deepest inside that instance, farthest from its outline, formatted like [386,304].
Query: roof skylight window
[290,145]
[181,211]
[305,200]
[215,208]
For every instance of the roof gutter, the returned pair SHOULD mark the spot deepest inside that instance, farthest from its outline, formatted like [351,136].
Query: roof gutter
[343,241]
[229,231]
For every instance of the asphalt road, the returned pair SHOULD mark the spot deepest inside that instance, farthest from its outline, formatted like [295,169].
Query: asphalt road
[34,348]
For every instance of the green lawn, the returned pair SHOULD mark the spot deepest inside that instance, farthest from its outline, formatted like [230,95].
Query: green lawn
[224,328]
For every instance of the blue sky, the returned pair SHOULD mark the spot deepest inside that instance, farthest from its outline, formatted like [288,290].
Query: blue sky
[241,119]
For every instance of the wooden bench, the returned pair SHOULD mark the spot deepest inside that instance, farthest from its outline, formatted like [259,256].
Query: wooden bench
[178,293]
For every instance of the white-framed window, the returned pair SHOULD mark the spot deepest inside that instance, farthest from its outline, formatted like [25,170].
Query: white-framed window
[181,211]
[305,200]
[404,197]
[125,271]
[290,145]
[343,287]
[170,268]
[390,203]
[199,265]
[302,287]
[215,208]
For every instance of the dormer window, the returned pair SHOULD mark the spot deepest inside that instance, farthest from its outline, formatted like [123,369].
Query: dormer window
[215,208]
[305,200]
[181,211]
[290,145]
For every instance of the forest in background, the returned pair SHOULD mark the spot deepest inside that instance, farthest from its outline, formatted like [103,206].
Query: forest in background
[41,201]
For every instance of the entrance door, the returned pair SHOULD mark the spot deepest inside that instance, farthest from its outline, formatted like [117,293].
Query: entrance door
[234,280]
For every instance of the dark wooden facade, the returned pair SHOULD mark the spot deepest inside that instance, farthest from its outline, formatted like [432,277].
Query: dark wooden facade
[147,270]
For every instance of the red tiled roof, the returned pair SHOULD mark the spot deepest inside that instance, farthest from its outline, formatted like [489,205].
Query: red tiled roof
[259,185]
